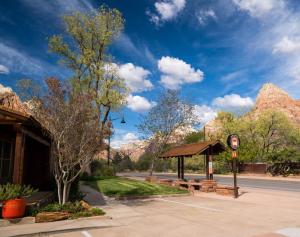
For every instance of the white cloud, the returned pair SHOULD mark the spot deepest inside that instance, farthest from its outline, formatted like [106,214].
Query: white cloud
[58,7]
[135,77]
[166,10]
[204,113]
[177,72]
[139,104]
[4,89]
[204,16]
[3,69]
[137,51]
[236,75]
[19,61]
[259,8]
[120,140]
[233,103]
[286,45]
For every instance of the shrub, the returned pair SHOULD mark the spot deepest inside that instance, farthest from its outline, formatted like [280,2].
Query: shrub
[74,208]
[13,191]
[100,168]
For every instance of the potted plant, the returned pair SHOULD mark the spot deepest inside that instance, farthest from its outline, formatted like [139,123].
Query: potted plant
[12,198]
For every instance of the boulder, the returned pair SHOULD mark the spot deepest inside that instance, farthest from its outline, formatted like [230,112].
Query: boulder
[85,205]
[51,216]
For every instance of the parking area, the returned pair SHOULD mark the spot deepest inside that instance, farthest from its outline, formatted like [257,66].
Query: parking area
[255,213]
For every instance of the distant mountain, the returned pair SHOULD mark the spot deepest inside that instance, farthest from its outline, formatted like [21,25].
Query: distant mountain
[135,149]
[274,98]
[11,100]
[270,97]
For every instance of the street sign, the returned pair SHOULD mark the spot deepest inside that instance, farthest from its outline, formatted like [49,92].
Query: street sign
[210,167]
[233,141]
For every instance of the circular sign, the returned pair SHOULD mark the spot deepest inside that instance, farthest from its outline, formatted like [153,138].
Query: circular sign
[233,141]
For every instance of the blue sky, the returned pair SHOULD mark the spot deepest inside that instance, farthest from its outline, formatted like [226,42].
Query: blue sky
[218,53]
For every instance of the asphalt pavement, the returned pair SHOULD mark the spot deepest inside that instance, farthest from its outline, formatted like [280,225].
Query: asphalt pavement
[281,185]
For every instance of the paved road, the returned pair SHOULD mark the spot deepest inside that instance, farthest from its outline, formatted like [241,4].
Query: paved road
[293,186]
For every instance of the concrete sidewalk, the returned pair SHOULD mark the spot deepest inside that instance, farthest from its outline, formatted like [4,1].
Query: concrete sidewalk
[255,213]
[263,213]
[58,226]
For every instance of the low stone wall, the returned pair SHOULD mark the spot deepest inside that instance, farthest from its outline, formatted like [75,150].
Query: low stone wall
[208,186]
[225,190]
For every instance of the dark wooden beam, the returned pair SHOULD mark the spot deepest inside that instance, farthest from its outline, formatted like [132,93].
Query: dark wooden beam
[19,158]
[19,127]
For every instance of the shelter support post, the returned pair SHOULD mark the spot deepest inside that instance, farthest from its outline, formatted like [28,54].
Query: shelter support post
[182,167]
[206,166]
[178,167]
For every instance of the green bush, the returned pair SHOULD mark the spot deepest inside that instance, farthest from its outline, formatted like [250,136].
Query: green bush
[100,168]
[87,213]
[67,207]
[13,191]
[74,208]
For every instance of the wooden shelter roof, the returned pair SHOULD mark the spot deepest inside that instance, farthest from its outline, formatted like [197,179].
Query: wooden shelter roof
[8,114]
[198,148]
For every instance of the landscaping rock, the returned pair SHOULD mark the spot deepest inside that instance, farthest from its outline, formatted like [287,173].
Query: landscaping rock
[51,216]
[85,205]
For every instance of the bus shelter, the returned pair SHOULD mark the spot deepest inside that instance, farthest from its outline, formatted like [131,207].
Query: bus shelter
[206,148]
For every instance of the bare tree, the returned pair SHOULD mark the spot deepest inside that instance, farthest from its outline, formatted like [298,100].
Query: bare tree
[76,137]
[163,120]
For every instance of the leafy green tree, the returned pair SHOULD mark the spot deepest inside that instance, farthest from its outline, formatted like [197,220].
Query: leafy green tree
[263,137]
[85,53]
[194,137]
[96,90]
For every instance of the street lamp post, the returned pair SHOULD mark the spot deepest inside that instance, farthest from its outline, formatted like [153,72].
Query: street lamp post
[108,147]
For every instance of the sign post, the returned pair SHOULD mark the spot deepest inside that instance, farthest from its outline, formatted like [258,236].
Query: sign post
[233,141]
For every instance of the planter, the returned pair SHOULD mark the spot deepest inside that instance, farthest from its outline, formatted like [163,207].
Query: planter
[13,208]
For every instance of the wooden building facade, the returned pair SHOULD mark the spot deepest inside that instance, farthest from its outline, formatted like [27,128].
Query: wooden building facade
[24,150]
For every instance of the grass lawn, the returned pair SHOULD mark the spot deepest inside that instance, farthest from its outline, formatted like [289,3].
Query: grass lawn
[117,186]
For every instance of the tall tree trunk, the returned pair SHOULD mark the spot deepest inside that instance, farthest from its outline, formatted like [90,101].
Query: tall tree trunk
[65,189]
[152,166]
[59,194]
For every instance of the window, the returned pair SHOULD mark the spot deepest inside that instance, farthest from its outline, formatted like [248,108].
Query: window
[6,161]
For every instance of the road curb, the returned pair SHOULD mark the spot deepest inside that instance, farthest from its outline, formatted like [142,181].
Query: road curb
[127,198]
